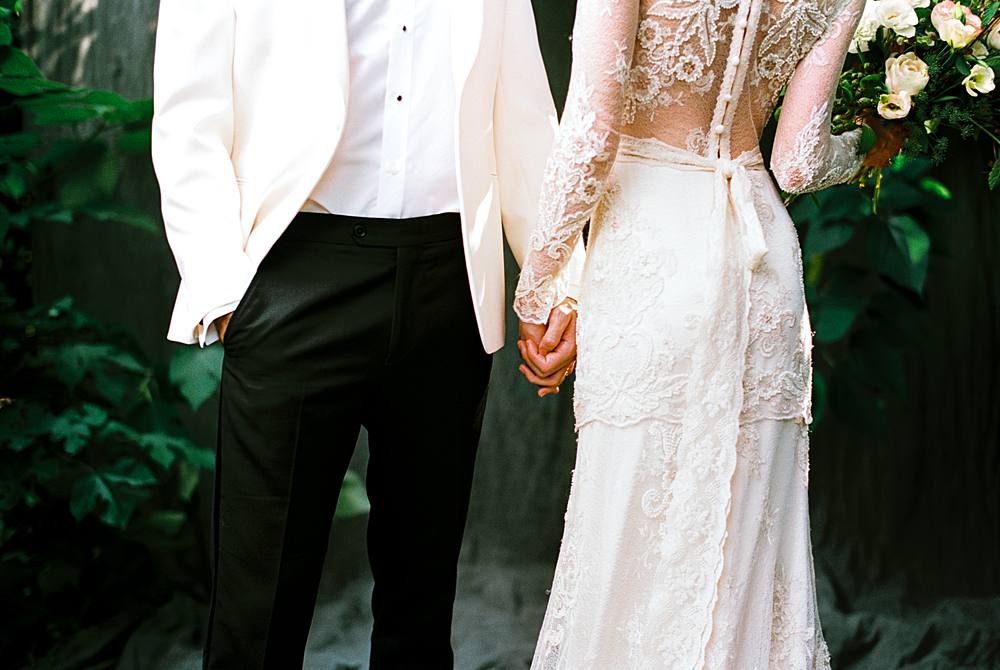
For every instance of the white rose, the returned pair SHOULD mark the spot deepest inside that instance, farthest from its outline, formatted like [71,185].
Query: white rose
[917,4]
[980,80]
[994,39]
[867,29]
[897,15]
[906,74]
[979,49]
[894,105]
[956,24]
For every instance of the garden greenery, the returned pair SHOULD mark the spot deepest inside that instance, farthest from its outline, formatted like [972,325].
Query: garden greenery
[865,274]
[97,474]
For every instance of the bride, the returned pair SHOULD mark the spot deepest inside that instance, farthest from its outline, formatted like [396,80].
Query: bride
[687,533]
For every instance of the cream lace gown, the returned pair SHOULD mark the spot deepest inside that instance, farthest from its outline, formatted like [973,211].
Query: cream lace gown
[687,534]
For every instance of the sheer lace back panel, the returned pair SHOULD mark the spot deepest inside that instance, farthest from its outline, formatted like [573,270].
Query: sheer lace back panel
[706,74]
[699,75]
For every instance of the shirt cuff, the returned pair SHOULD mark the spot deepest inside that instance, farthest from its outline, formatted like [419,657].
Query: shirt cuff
[207,332]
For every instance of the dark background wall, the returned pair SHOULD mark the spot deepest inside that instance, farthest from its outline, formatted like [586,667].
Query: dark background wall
[920,506]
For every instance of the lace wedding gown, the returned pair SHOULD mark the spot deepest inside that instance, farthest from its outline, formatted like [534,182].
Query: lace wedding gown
[687,532]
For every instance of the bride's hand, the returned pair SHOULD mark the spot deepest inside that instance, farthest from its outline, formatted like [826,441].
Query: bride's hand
[549,351]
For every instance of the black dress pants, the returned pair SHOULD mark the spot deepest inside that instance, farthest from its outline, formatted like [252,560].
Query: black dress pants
[348,323]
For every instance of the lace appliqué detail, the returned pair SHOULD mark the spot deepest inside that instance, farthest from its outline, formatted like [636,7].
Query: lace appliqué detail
[789,34]
[818,160]
[792,643]
[640,374]
[680,49]
[575,182]
[570,574]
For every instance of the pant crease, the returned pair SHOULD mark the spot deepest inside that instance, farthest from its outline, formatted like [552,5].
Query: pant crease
[284,540]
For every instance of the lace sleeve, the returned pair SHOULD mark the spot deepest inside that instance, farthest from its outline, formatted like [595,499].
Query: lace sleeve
[806,156]
[577,173]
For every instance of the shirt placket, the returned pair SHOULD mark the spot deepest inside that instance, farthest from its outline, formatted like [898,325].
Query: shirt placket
[398,104]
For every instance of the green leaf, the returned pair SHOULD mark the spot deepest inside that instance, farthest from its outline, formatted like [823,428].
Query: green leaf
[868,139]
[838,306]
[113,372]
[105,100]
[165,522]
[123,213]
[75,427]
[87,491]
[900,250]
[91,179]
[994,178]
[353,500]
[188,477]
[897,194]
[990,12]
[163,448]
[6,35]
[139,112]
[61,113]
[962,67]
[19,87]
[114,490]
[18,144]
[15,63]
[128,472]
[934,186]
[14,184]
[824,237]
[136,141]
[197,373]
[73,434]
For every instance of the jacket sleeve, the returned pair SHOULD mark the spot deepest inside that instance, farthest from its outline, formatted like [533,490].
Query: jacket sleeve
[806,156]
[578,171]
[193,128]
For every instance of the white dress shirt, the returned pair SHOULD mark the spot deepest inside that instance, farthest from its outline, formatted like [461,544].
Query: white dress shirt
[396,159]
[397,156]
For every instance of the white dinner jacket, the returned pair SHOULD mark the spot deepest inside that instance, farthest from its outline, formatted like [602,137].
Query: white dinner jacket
[250,99]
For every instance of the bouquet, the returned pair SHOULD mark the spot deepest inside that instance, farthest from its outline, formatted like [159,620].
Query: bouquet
[916,69]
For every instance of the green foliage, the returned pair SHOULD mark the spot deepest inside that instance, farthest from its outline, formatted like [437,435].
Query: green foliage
[97,476]
[865,275]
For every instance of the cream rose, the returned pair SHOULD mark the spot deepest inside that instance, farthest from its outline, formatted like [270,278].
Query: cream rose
[979,49]
[980,80]
[917,4]
[897,15]
[906,74]
[994,39]
[956,24]
[894,105]
[867,29]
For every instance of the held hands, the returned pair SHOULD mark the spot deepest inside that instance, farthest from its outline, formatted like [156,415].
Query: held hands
[222,325]
[549,351]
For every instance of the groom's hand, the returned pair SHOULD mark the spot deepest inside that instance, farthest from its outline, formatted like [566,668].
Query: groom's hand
[549,351]
[222,325]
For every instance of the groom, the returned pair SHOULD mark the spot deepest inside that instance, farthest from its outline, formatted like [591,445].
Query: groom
[334,176]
